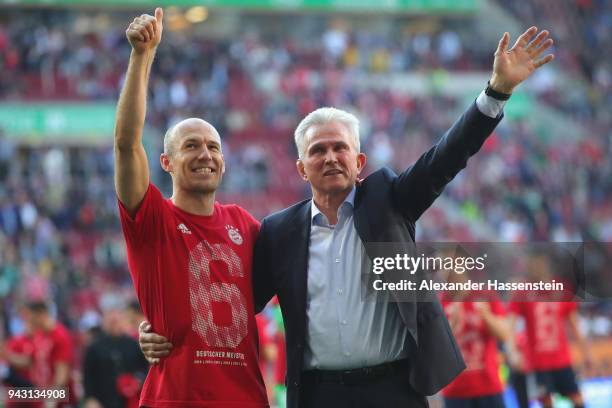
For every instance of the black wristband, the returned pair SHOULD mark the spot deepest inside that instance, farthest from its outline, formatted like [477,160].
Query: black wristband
[494,94]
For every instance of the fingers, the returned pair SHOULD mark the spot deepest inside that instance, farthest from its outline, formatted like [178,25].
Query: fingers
[143,28]
[153,351]
[153,345]
[503,43]
[144,327]
[535,47]
[137,31]
[149,23]
[540,50]
[544,60]
[156,353]
[152,338]
[525,37]
[537,41]
[133,32]
[159,14]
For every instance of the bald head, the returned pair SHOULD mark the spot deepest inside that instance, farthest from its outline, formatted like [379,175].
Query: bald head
[193,157]
[184,127]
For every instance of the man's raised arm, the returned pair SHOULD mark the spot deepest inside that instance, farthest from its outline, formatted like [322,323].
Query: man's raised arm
[131,167]
[417,187]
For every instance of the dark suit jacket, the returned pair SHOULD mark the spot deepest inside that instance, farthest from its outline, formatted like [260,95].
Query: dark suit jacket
[386,209]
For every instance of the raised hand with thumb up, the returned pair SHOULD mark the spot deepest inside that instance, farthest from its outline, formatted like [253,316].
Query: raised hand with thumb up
[144,33]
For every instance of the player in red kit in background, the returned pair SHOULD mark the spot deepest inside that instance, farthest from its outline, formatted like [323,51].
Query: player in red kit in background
[189,256]
[520,365]
[548,348]
[478,322]
[19,354]
[53,357]
[547,345]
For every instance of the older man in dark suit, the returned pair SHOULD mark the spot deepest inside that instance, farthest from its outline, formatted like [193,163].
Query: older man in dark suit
[343,351]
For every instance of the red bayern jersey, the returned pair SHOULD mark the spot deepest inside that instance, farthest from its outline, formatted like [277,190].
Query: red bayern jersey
[192,275]
[547,345]
[52,347]
[479,349]
[23,346]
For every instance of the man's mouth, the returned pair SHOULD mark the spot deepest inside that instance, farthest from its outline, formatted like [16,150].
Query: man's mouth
[332,172]
[204,170]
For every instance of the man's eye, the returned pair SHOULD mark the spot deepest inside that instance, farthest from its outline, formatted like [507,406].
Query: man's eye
[316,151]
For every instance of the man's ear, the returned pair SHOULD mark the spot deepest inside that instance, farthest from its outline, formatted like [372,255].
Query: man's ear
[300,168]
[361,162]
[164,160]
[222,164]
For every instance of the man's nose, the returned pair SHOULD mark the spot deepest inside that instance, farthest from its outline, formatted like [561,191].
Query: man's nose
[330,156]
[205,154]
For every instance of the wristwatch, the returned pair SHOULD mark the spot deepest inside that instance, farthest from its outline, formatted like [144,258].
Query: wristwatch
[495,94]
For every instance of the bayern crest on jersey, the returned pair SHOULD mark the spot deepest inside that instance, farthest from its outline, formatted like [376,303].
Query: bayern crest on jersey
[234,234]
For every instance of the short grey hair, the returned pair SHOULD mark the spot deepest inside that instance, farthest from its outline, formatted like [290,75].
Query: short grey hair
[324,116]
[168,148]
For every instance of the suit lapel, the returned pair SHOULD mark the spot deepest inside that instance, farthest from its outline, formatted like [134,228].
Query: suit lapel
[368,228]
[298,250]
[361,219]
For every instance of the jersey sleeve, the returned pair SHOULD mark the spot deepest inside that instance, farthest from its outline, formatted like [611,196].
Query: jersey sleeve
[62,351]
[145,224]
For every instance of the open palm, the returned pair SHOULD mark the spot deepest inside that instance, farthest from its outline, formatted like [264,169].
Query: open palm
[513,66]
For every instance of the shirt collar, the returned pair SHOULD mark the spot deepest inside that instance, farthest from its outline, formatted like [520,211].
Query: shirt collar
[348,201]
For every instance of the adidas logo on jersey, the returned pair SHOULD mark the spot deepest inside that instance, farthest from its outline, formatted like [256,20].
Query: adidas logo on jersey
[181,227]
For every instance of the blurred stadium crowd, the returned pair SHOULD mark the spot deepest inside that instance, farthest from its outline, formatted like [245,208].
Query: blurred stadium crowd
[59,232]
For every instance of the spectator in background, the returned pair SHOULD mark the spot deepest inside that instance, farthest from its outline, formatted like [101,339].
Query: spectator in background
[134,316]
[7,151]
[114,368]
